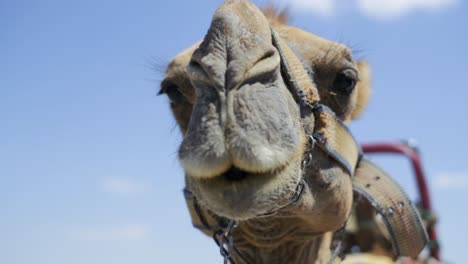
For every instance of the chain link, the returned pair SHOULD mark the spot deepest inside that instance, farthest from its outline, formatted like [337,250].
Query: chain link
[225,241]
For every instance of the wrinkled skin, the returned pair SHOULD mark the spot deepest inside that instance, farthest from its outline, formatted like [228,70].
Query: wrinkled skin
[244,139]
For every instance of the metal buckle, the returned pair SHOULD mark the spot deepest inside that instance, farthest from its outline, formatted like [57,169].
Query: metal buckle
[308,159]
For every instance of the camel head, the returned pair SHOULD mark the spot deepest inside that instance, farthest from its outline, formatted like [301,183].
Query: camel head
[244,140]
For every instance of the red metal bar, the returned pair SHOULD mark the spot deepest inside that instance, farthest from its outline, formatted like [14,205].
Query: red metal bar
[413,155]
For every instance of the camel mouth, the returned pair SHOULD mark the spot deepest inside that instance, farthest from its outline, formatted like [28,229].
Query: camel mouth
[235,174]
[240,194]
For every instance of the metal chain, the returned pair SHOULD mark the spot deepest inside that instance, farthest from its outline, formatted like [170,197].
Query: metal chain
[338,243]
[225,241]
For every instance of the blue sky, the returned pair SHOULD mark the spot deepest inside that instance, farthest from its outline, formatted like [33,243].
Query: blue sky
[88,164]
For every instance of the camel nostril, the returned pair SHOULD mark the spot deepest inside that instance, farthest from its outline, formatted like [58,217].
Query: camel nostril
[234,174]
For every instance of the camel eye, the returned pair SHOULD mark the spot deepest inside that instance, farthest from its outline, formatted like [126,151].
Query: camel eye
[345,81]
[172,91]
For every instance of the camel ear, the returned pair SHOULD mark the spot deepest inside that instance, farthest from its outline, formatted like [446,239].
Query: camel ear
[363,89]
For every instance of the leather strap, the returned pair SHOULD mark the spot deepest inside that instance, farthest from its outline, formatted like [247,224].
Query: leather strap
[300,78]
[400,216]
[201,219]
[330,132]
[333,136]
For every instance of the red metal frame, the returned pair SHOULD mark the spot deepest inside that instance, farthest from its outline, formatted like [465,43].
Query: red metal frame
[410,151]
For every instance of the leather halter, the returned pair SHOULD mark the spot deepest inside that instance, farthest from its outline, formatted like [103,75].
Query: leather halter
[330,133]
[407,233]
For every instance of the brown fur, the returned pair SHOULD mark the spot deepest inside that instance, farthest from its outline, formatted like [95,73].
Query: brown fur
[364,92]
[276,16]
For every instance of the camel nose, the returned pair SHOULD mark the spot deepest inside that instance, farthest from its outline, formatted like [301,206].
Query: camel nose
[244,116]
[239,38]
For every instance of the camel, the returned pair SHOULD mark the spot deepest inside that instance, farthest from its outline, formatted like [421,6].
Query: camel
[254,179]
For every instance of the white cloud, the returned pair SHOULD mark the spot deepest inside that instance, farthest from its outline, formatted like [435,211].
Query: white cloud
[396,8]
[372,8]
[132,232]
[123,186]
[451,181]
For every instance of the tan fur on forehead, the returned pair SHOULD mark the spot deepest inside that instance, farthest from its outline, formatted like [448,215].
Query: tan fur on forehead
[276,15]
